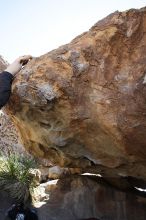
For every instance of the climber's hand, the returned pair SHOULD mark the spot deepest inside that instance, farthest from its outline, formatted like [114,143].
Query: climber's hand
[17,65]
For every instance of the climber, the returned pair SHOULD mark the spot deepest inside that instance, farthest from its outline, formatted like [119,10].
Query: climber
[20,212]
[7,76]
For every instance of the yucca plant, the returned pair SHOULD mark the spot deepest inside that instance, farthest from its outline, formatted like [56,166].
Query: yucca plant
[15,177]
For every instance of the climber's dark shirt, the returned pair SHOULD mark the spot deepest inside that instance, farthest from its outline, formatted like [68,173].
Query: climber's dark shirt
[6,79]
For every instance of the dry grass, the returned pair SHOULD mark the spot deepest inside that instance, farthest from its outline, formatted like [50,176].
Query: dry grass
[15,177]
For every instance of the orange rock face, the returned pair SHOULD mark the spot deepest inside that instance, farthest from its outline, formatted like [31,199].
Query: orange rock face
[84,104]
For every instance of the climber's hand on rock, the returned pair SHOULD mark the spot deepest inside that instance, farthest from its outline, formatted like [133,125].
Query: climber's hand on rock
[17,65]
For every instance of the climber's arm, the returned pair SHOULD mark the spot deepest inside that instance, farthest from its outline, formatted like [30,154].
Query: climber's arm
[5,87]
[7,76]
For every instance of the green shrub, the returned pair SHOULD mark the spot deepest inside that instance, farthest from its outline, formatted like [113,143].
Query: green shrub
[15,177]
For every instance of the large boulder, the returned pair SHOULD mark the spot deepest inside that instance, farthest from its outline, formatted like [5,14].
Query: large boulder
[84,104]
[82,198]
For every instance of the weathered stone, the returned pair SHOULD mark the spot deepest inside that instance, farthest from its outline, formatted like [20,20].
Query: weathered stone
[80,198]
[84,104]
[59,172]
[9,139]
[43,174]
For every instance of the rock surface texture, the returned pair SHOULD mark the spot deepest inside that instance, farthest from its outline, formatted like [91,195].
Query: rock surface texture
[9,139]
[81,198]
[84,104]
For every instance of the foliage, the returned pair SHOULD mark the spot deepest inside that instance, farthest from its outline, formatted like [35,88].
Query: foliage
[15,177]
